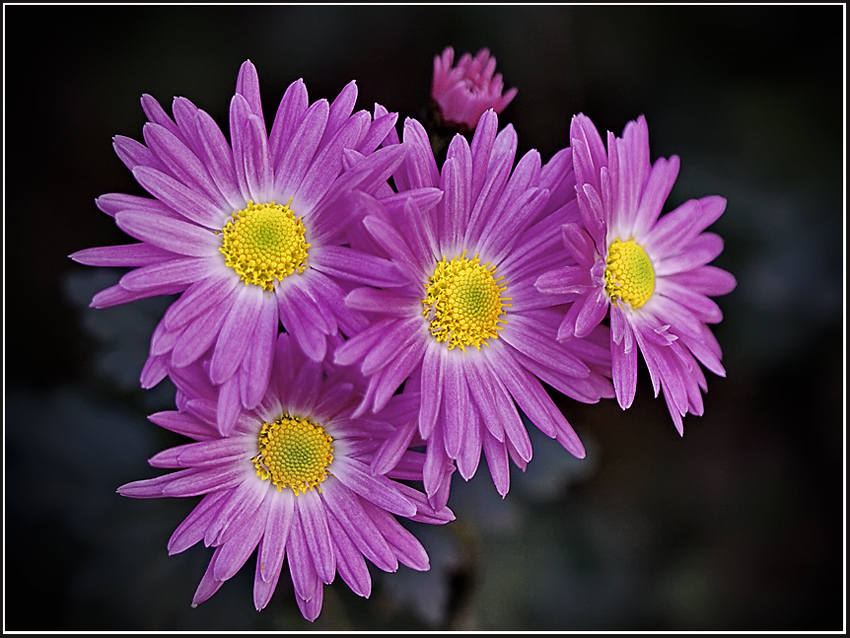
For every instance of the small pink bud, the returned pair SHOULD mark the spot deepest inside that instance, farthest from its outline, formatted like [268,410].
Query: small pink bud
[463,92]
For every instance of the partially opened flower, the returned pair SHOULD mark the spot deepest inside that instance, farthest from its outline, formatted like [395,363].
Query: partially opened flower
[251,232]
[649,271]
[468,326]
[294,481]
[464,91]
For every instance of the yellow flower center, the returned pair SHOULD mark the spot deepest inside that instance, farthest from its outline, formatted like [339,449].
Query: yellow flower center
[294,453]
[464,302]
[629,275]
[264,243]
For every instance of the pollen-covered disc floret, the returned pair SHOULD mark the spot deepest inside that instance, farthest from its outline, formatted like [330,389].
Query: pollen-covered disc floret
[464,302]
[264,243]
[294,452]
[629,275]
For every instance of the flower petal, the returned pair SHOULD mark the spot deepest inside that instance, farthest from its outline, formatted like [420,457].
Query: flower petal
[192,529]
[327,165]
[455,406]
[257,364]
[377,489]
[181,162]
[407,548]
[347,508]
[278,524]
[289,114]
[304,576]
[315,526]
[432,388]
[354,265]
[237,332]
[192,204]
[349,561]
[251,159]
[302,319]
[201,332]
[496,453]
[177,272]
[122,255]
[169,234]
[218,158]
[658,186]
[340,110]
[295,159]
[536,403]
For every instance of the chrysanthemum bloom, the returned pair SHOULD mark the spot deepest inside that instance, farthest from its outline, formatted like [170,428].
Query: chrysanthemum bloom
[650,272]
[463,92]
[252,234]
[293,480]
[468,326]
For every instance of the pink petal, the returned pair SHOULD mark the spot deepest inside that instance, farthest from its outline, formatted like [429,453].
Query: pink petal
[237,332]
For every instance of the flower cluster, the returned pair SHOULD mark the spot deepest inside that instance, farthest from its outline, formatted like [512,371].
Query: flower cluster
[463,91]
[355,320]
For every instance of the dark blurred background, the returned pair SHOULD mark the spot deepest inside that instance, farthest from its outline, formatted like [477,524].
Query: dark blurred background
[739,525]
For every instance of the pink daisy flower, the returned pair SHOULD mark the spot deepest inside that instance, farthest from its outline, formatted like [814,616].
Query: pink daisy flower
[294,481]
[464,91]
[467,326]
[251,232]
[650,272]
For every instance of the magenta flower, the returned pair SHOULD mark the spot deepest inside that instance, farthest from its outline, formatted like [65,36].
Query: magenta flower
[465,91]
[650,272]
[294,480]
[251,233]
[468,326]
